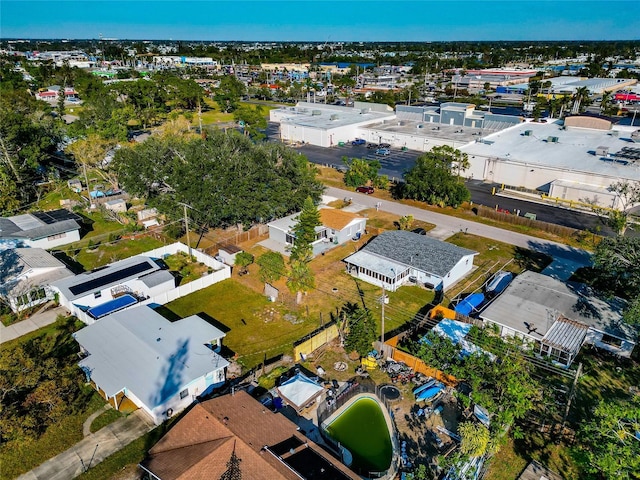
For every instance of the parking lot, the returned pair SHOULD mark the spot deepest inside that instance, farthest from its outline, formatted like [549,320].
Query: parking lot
[397,160]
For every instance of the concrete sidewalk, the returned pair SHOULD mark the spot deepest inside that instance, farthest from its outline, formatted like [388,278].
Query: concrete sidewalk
[34,322]
[93,449]
[566,259]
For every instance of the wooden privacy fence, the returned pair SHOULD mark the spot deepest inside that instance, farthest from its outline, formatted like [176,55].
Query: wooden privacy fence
[314,340]
[418,365]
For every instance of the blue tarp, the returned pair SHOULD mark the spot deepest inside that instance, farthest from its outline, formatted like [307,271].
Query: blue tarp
[112,306]
[469,304]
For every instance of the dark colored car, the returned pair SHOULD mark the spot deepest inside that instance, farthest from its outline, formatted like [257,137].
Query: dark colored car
[372,145]
[359,141]
[419,231]
[364,189]
[385,145]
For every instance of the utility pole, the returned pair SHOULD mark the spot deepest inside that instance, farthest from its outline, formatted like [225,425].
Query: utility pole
[384,297]
[86,180]
[186,224]
[572,393]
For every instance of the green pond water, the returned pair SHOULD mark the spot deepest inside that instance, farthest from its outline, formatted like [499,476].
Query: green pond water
[362,429]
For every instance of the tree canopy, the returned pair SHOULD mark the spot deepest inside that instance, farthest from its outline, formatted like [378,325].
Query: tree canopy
[362,171]
[432,180]
[361,328]
[225,178]
[610,439]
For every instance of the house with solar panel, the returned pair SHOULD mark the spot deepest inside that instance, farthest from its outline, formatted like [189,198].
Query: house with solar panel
[26,275]
[399,257]
[41,229]
[138,356]
[105,290]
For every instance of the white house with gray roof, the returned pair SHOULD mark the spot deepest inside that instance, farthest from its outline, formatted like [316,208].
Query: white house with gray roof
[560,317]
[137,277]
[26,275]
[161,366]
[41,229]
[395,258]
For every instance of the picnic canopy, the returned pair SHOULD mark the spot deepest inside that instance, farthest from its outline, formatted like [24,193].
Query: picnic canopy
[299,390]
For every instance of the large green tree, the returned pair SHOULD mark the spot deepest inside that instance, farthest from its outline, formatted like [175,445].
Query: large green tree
[616,261]
[610,439]
[432,180]
[225,178]
[305,232]
[228,94]
[252,119]
[361,328]
[362,172]
[272,267]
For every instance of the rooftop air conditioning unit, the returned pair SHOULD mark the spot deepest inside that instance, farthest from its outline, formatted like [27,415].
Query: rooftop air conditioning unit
[527,133]
[602,151]
[316,113]
[364,110]
[334,117]
[614,133]
[552,139]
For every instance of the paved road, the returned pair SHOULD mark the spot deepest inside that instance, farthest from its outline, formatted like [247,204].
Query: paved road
[566,259]
[93,449]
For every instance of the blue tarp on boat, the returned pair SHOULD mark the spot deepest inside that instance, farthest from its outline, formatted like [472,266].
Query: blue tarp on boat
[469,304]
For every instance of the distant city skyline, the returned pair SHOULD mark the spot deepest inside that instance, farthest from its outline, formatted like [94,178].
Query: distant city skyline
[332,21]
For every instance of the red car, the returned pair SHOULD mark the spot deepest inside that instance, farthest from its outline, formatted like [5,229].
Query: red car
[364,189]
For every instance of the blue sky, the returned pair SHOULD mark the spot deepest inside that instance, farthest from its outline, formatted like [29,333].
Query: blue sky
[364,20]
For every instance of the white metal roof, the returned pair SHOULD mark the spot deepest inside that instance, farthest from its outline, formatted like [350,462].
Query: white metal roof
[141,351]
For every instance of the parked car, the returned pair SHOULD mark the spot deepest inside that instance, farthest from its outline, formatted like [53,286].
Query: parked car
[419,231]
[364,189]
[383,151]
[385,145]
[372,145]
[359,141]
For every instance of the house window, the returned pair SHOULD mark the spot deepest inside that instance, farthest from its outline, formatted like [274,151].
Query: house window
[610,340]
[289,239]
[50,238]
[97,294]
[184,393]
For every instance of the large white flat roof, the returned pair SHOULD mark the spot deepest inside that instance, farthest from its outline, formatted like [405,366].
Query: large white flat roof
[575,149]
[329,116]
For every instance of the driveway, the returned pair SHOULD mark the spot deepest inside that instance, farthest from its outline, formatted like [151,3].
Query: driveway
[34,322]
[93,449]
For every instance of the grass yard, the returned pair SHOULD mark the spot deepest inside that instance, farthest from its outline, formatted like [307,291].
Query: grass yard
[52,344]
[103,254]
[189,269]
[104,419]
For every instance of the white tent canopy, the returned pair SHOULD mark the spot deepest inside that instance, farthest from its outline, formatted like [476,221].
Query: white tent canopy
[299,390]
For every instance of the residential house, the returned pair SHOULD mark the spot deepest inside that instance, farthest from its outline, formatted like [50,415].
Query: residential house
[560,317]
[26,275]
[237,431]
[337,227]
[128,281]
[160,366]
[395,258]
[41,229]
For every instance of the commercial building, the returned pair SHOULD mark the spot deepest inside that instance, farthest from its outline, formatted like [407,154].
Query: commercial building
[573,160]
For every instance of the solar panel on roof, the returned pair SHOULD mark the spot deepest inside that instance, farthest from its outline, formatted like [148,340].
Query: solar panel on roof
[55,216]
[112,306]
[98,283]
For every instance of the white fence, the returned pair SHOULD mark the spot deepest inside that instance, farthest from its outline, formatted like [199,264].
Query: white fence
[220,272]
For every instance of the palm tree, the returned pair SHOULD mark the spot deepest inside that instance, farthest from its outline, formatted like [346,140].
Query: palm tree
[580,100]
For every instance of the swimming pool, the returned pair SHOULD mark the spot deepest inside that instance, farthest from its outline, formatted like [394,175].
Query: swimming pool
[362,427]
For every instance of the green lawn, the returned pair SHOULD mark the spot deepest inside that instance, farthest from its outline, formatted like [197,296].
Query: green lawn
[27,450]
[109,252]
[104,419]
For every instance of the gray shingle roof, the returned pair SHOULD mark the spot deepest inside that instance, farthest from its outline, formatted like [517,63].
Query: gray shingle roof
[420,251]
[28,226]
[156,278]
